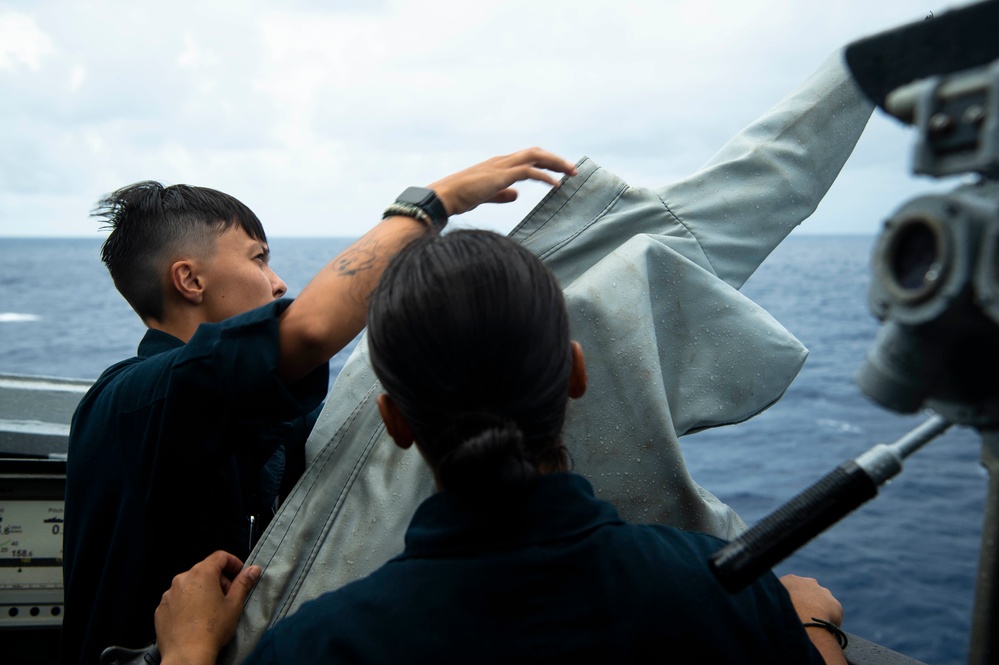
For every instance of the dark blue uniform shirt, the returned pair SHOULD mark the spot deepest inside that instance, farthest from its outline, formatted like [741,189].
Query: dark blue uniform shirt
[559,578]
[168,459]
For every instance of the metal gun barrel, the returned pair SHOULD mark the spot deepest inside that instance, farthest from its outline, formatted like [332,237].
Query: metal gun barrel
[818,507]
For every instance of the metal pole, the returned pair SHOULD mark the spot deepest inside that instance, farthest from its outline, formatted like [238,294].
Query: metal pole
[984,629]
[816,508]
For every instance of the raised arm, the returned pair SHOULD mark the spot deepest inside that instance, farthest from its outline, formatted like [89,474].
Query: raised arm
[331,309]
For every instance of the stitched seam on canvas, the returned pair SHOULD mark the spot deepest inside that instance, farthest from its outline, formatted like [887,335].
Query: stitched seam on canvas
[568,198]
[292,591]
[550,252]
[689,231]
[334,511]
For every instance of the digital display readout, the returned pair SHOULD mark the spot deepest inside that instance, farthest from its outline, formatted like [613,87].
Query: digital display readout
[31,543]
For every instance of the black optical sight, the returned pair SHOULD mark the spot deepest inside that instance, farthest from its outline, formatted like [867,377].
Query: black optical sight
[934,285]
[934,272]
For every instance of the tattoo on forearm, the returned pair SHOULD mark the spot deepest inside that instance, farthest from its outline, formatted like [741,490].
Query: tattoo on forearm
[357,259]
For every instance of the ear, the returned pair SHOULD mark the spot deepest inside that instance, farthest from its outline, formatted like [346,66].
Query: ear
[184,278]
[577,373]
[395,423]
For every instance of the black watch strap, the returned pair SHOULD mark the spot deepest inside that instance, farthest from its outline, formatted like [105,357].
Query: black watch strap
[427,201]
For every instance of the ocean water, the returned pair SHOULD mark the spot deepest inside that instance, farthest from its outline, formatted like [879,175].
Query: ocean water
[903,565]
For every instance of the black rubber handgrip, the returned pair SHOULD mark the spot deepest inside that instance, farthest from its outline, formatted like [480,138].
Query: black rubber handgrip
[792,525]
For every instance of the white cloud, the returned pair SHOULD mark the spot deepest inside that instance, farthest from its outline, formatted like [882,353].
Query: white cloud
[78,76]
[22,43]
[317,116]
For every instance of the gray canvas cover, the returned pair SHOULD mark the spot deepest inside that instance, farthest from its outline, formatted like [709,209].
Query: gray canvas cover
[651,278]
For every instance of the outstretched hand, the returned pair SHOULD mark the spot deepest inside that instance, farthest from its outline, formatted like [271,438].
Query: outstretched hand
[198,614]
[489,182]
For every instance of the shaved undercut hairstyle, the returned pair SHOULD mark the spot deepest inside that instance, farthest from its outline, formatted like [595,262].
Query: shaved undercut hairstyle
[149,222]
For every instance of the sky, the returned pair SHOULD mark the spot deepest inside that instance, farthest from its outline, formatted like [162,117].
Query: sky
[317,114]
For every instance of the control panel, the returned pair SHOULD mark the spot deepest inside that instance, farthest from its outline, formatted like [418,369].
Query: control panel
[31,525]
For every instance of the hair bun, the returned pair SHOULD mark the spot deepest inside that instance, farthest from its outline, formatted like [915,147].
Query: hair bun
[489,464]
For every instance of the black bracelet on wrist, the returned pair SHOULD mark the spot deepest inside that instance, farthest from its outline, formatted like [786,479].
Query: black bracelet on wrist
[408,210]
[832,628]
[420,203]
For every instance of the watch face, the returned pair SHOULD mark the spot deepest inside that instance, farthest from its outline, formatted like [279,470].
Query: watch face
[426,200]
[419,196]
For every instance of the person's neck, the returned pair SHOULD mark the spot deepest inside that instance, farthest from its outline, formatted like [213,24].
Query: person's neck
[557,463]
[182,328]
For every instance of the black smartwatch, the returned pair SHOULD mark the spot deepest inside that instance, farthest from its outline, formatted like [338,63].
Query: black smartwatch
[423,200]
